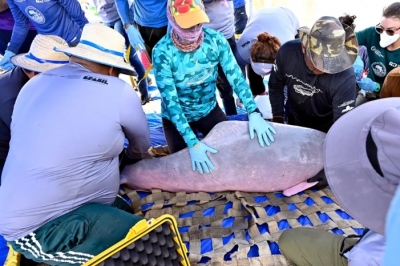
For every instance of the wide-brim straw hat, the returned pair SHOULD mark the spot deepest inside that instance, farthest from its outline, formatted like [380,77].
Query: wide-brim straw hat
[103,45]
[41,56]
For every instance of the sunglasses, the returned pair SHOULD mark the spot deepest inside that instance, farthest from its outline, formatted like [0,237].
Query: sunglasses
[379,29]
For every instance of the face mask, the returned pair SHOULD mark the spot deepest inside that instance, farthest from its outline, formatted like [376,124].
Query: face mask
[387,40]
[261,69]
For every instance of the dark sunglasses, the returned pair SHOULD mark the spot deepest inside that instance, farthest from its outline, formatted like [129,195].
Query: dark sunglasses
[379,29]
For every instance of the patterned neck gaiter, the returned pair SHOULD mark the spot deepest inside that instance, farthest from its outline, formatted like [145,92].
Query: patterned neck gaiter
[186,40]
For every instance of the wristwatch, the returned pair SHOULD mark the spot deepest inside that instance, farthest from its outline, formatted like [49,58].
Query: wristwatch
[256,111]
[377,87]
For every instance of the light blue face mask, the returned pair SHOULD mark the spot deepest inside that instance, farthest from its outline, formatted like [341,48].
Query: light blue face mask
[261,69]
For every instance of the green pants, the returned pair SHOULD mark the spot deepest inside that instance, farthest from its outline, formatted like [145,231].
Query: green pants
[76,237]
[313,247]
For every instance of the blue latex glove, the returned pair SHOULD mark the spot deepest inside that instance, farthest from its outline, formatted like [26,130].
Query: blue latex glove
[262,128]
[358,67]
[367,84]
[135,38]
[200,160]
[5,62]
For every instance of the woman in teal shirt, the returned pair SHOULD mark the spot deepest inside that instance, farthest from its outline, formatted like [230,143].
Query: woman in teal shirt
[383,43]
[185,65]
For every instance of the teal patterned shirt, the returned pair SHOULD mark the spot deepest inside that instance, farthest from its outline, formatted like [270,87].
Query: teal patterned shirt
[187,81]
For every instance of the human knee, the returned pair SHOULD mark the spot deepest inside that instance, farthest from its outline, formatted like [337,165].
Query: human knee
[286,241]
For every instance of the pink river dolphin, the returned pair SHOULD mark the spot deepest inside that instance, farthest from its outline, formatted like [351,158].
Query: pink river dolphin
[240,164]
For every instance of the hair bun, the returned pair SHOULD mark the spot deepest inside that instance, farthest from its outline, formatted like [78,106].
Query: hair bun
[265,37]
[266,47]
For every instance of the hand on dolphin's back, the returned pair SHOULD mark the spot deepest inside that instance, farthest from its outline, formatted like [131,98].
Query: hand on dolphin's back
[198,153]
[263,129]
[200,160]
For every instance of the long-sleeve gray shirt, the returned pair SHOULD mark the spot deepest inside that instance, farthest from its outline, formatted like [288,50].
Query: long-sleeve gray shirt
[220,13]
[107,10]
[68,128]
[279,22]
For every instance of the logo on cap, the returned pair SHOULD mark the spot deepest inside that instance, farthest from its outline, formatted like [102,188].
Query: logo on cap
[182,7]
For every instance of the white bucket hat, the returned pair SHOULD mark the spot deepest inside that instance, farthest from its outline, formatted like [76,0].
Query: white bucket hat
[41,56]
[102,45]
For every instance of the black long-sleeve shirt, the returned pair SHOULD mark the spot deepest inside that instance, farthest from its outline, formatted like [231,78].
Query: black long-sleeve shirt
[315,101]
[10,85]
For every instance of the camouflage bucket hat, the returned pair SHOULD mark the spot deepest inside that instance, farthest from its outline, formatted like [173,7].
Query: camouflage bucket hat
[332,48]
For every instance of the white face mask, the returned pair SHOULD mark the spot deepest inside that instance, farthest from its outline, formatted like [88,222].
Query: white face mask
[261,69]
[387,40]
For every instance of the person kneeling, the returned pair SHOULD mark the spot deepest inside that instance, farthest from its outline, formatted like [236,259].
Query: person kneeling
[40,58]
[61,173]
[362,171]
[186,69]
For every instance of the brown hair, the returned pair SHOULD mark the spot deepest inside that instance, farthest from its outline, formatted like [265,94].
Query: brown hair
[392,11]
[390,87]
[348,20]
[264,50]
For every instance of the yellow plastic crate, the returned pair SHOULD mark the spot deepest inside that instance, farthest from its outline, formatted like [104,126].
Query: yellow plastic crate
[13,258]
[149,242]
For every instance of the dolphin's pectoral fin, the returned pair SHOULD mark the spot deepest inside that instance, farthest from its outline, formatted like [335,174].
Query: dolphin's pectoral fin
[298,188]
